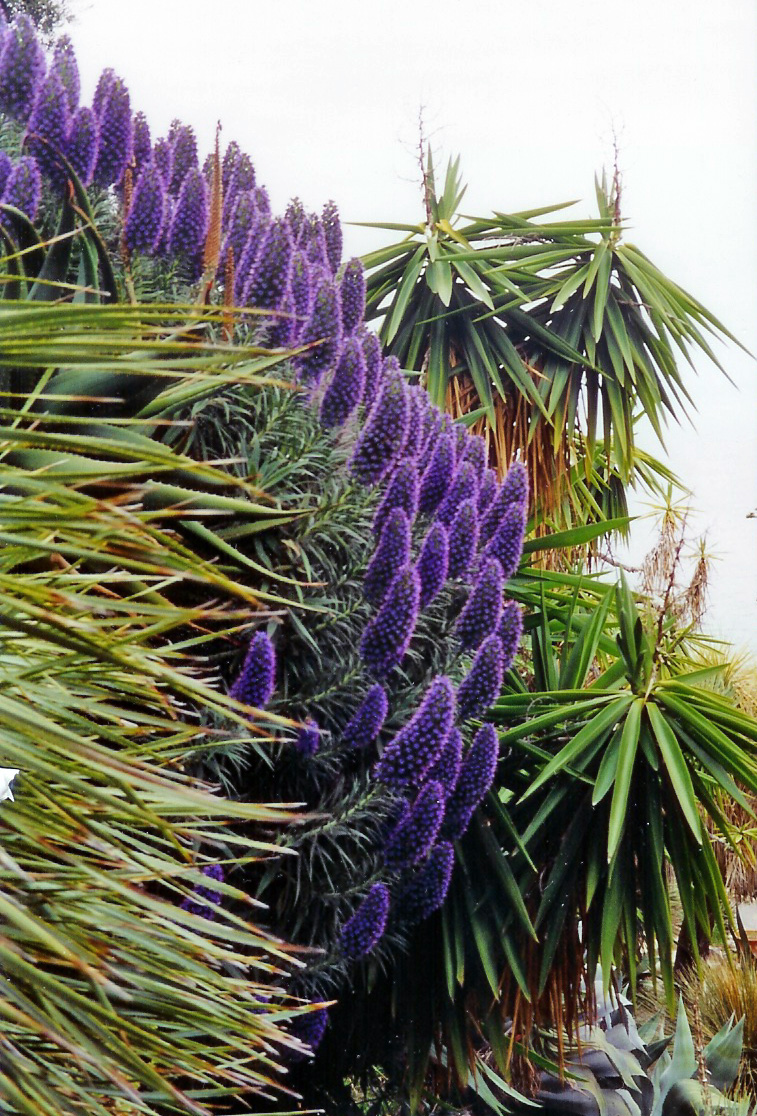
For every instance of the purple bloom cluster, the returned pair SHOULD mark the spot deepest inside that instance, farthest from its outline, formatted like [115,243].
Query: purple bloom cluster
[48,128]
[323,330]
[346,388]
[352,290]
[481,686]
[268,282]
[488,490]
[144,221]
[506,544]
[413,837]
[401,492]
[513,491]
[476,776]
[22,65]
[184,148]
[300,287]
[391,554]
[162,155]
[5,168]
[308,738]
[204,900]
[510,632]
[433,563]
[427,889]
[382,434]
[23,187]
[438,475]
[83,143]
[418,745]
[115,140]
[463,538]
[364,929]
[464,487]
[475,454]
[366,723]
[189,223]
[332,235]
[372,354]
[141,143]
[64,65]
[483,609]
[386,638]
[310,1027]
[446,769]
[257,678]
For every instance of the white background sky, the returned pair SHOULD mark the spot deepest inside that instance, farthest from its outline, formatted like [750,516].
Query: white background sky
[325,95]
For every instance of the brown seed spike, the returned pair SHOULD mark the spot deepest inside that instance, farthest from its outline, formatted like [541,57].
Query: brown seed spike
[228,295]
[212,253]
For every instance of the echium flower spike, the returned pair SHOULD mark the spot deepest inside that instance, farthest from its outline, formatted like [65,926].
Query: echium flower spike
[282,331]
[48,129]
[482,684]
[144,221]
[428,888]
[346,388]
[6,166]
[332,231]
[383,434]
[417,746]
[464,487]
[296,217]
[510,632]
[436,480]
[300,287]
[506,545]
[102,91]
[241,181]
[231,156]
[474,452]
[269,280]
[513,490]
[310,1027]
[242,215]
[412,840]
[204,900]
[433,563]
[387,636]
[257,678]
[447,768]
[463,539]
[184,154]
[24,186]
[391,554]
[313,242]
[190,219]
[362,932]
[162,155]
[366,723]
[308,738]
[83,143]
[245,265]
[323,330]
[481,615]
[476,777]
[352,288]
[262,201]
[142,143]
[372,353]
[65,66]
[22,65]
[115,149]
[401,492]
[488,490]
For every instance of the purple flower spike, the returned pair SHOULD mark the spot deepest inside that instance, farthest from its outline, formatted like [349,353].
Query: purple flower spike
[313,243]
[447,768]
[22,65]
[428,888]
[510,632]
[262,201]
[464,487]
[300,285]
[6,166]
[461,440]
[418,745]
[507,544]
[242,215]
[240,181]
[352,289]
[482,685]
[269,281]
[296,216]
[332,231]
[184,144]
[48,129]
[411,840]
[190,219]
[475,453]
[282,330]
[346,389]
[325,327]
[433,563]
[481,615]
[438,475]
[204,900]
[144,221]
[142,143]
[402,492]
[310,1027]
[256,680]
[476,777]
[514,490]
[415,424]
[102,91]
[463,539]
[245,265]
[386,638]
[231,157]
[366,724]
[391,554]
[65,67]
[308,738]
[383,434]
[488,490]
[24,186]
[361,933]
[162,155]
[83,143]
[115,150]
[372,353]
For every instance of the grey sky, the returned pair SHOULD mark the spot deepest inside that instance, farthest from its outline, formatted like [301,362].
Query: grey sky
[325,97]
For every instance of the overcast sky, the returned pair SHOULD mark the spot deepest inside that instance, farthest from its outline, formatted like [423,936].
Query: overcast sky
[325,96]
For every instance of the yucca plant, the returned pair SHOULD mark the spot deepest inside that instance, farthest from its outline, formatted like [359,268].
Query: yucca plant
[551,335]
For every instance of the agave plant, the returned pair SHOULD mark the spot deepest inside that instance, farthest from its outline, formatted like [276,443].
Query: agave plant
[551,335]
